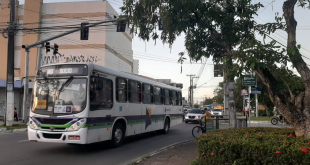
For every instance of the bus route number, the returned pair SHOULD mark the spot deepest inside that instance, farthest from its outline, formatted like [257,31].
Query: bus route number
[41,104]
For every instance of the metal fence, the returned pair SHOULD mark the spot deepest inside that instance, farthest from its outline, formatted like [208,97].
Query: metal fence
[222,121]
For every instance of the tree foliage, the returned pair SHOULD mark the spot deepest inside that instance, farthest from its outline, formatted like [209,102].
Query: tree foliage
[219,95]
[208,101]
[226,30]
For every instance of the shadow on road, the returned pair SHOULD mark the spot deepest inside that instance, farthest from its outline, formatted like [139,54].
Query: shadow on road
[95,147]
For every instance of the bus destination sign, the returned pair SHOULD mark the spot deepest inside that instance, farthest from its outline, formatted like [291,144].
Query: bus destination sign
[63,70]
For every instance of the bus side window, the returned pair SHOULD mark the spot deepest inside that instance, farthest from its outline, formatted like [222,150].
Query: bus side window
[174,97]
[146,94]
[101,93]
[166,97]
[157,96]
[134,92]
[121,90]
[179,95]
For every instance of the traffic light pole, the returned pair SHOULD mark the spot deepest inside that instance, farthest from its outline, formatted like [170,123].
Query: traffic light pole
[27,49]
[66,33]
[39,57]
[25,96]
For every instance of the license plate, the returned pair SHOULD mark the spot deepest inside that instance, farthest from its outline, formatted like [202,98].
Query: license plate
[74,137]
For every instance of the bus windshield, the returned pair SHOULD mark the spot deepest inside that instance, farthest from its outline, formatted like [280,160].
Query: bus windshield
[61,96]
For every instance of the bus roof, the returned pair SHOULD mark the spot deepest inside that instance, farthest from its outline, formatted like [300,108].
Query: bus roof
[120,74]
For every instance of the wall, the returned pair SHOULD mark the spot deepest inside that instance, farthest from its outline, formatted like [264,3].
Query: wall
[5,12]
[71,48]
[31,16]
[136,66]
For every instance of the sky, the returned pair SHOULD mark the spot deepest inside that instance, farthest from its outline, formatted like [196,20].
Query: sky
[172,70]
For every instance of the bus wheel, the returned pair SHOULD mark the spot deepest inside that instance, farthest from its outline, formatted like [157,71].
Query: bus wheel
[118,135]
[166,126]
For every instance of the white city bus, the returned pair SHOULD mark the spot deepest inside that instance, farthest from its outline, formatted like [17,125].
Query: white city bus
[87,103]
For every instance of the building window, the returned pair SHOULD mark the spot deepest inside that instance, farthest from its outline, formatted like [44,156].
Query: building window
[157,95]
[101,93]
[134,92]
[147,94]
[121,90]
[166,97]
[174,98]
[179,98]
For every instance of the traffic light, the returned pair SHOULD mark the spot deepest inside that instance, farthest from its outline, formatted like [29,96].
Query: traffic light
[55,49]
[160,24]
[84,31]
[121,26]
[47,47]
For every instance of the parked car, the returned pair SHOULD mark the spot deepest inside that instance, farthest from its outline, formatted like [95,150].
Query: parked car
[217,112]
[194,115]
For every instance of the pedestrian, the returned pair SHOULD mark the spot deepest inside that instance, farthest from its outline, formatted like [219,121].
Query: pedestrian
[248,111]
[243,111]
[15,114]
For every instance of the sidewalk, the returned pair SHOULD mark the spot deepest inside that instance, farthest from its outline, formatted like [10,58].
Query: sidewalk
[4,130]
[182,154]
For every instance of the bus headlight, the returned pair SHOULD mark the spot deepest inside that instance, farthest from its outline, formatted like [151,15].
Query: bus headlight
[77,125]
[32,124]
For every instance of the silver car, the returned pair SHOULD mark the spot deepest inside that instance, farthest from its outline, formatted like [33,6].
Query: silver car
[194,115]
[216,112]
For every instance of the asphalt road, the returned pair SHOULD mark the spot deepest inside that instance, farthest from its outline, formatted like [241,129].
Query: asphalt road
[16,150]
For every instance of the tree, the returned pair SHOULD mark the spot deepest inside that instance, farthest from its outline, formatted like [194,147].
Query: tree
[219,92]
[208,101]
[225,29]
[181,59]
[237,94]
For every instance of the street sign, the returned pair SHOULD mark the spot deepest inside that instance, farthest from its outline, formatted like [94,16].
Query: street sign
[249,80]
[256,90]
[231,85]
[246,97]
[218,70]
[244,92]
[210,126]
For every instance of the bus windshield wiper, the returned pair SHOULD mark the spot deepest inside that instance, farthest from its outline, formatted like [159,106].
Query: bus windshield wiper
[61,89]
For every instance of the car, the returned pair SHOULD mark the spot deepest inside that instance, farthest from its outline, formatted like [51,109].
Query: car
[216,112]
[194,115]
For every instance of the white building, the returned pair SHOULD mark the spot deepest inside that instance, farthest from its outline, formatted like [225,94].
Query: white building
[40,21]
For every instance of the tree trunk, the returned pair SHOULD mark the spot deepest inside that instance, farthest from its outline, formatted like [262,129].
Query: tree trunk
[303,102]
[291,109]
[266,109]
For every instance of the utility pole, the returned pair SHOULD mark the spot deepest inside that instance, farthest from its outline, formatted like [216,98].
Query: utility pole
[191,87]
[10,68]
[194,87]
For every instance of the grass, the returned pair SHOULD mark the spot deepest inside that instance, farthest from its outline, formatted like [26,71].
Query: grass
[261,118]
[14,126]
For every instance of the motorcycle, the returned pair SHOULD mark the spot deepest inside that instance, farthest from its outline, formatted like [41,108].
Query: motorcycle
[277,119]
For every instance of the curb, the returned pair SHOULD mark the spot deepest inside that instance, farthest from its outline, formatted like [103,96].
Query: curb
[4,130]
[140,159]
[257,122]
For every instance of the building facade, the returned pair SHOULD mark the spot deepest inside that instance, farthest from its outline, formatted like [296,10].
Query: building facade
[37,21]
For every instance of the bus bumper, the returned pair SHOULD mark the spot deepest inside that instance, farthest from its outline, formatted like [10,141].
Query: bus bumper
[75,137]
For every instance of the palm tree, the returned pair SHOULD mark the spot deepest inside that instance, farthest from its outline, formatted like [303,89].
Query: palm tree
[181,59]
